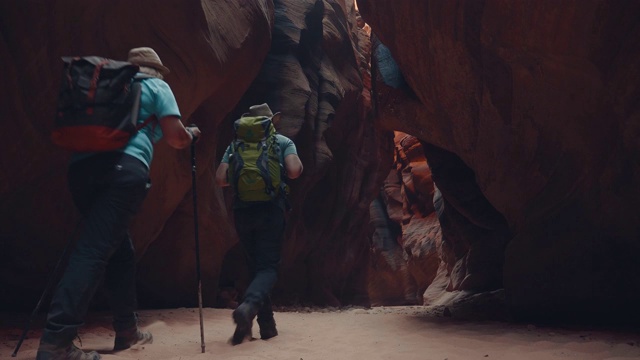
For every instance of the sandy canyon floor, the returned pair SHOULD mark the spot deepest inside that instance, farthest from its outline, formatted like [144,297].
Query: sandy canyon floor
[403,333]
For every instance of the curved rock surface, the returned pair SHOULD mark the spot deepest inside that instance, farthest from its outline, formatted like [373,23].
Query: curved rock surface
[315,74]
[540,101]
[214,50]
[407,239]
[303,57]
[527,114]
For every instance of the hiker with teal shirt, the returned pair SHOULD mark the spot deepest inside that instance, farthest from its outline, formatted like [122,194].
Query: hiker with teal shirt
[256,164]
[108,188]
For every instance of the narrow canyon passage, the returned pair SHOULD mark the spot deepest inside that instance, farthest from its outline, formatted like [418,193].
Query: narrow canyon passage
[471,174]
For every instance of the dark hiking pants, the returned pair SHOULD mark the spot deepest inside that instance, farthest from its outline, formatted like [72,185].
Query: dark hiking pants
[261,230]
[107,189]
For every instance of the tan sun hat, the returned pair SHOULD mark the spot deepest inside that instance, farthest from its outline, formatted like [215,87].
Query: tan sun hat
[146,56]
[262,110]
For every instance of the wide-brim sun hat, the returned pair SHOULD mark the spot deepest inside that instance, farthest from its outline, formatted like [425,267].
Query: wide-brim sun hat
[263,110]
[146,56]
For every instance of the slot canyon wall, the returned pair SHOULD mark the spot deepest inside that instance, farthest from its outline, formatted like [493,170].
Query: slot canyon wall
[307,59]
[532,109]
[516,148]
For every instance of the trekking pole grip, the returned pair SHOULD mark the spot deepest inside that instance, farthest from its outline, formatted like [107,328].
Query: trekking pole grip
[194,138]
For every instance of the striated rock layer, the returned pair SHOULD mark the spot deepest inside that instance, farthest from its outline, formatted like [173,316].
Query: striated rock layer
[407,240]
[539,101]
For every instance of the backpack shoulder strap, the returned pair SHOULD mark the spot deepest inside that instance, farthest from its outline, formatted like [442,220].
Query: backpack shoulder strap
[136,88]
[147,121]
[142,76]
[284,187]
[235,167]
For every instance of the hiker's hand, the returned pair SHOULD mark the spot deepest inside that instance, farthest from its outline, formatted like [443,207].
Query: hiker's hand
[195,133]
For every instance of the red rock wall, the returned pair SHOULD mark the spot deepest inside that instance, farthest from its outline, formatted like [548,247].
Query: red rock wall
[300,56]
[315,75]
[214,50]
[527,113]
[407,241]
[539,99]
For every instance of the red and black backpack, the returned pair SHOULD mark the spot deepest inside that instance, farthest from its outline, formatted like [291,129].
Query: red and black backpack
[98,104]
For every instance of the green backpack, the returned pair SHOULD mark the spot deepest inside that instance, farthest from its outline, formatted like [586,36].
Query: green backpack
[255,171]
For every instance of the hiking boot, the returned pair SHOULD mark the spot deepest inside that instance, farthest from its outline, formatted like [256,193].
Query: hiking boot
[51,352]
[267,328]
[243,317]
[126,339]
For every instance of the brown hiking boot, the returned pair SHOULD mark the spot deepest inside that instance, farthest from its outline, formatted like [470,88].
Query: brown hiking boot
[243,316]
[126,339]
[267,328]
[51,352]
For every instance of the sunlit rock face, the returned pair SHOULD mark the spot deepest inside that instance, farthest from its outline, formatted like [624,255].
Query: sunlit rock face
[539,101]
[407,240]
[425,250]
[307,59]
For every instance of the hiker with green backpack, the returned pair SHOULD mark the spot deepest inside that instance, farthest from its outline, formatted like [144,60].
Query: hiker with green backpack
[110,115]
[256,165]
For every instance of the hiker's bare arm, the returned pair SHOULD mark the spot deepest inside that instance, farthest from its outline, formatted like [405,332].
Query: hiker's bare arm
[293,165]
[175,133]
[221,174]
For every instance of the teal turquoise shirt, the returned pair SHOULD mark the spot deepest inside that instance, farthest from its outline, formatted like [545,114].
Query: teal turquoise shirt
[157,98]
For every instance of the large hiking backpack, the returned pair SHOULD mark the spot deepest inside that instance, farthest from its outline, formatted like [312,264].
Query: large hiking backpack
[255,171]
[98,104]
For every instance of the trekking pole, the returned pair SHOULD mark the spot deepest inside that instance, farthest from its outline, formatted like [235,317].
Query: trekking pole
[45,293]
[195,221]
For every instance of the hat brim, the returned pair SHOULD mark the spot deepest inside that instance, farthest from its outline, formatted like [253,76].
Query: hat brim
[276,118]
[163,69]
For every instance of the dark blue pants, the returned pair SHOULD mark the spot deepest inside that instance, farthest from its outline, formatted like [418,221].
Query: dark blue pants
[108,189]
[261,230]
